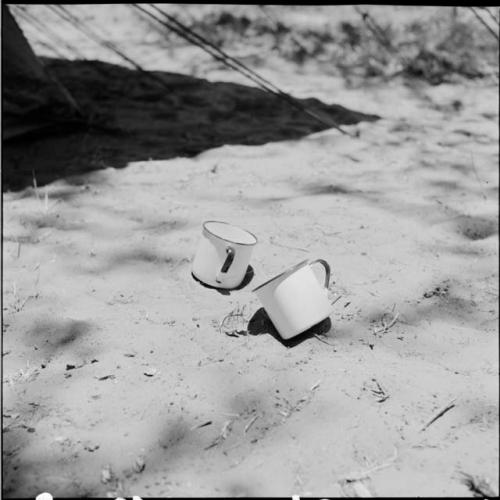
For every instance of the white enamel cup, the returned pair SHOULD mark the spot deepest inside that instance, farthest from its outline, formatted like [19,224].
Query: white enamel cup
[223,254]
[295,300]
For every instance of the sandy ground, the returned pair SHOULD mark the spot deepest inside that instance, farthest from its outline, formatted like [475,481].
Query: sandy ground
[114,357]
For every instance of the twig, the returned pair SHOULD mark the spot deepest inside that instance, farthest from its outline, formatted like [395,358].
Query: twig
[448,407]
[201,425]
[247,427]
[222,436]
[337,299]
[380,392]
[315,385]
[35,185]
[322,340]
[366,473]
[386,328]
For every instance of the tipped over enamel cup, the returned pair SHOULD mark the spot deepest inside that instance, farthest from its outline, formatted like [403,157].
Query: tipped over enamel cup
[223,255]
[295,300]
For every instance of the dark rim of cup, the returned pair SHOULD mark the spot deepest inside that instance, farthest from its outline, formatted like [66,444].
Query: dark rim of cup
[290,270]
[225,239]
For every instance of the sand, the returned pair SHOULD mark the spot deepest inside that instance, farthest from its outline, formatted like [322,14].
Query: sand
[114,357]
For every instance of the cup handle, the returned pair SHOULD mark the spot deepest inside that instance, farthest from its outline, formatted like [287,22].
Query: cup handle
[227,263]
[325,264]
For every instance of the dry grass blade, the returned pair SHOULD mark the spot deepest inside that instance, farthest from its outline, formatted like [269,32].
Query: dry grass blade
[323,340]
[365,474]
[447,408]
[379,392]
[252,421]
[386,327]
[226,429]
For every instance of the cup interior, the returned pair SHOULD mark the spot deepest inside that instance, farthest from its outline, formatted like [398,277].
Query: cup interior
[228,232]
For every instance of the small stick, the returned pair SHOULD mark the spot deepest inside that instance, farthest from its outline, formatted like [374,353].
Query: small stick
[337,299]
[448,407]
[480,487]
[35,185]
[247,427]
[366,473]
[315,386]
[324,341]
[201,425]
[386,327]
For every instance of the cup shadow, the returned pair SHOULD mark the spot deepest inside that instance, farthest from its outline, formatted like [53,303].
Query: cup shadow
[260,324]
[224,291]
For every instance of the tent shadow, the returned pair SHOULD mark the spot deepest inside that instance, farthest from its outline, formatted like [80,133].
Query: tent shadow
[139,116]
[261,324]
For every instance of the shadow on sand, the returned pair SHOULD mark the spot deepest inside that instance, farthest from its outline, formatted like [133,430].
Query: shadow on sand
[140,118]
[224,291]
[260,324]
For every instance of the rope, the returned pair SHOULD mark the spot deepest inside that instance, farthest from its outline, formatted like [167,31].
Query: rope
[29,18]
[38,29]
[183,31]
[484,23]
[64,14]
[490,14]
[95,37]
[380,36]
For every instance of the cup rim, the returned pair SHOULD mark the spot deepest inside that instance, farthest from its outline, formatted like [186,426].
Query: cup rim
[225,239]
[288,271]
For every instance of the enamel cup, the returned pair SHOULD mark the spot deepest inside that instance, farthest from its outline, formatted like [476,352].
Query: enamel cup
[295,300]
[223,254]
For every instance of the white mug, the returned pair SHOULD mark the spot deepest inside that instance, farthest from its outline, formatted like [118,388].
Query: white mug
[294,300]
[223,254]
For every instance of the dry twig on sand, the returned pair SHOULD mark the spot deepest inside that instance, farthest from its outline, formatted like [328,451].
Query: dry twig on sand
[448,407]
[303,401]
[226,429]
[379,392]
[365,474]
[386,327]
[322,340]
[252,421]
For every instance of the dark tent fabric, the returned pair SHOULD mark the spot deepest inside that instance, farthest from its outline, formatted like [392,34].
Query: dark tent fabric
[31,98]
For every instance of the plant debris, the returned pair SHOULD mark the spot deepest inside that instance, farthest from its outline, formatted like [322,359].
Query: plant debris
[386,326]
[235,323]
[226,429]
[199,426]
[379,392]
[252,421]
[106,377]
[448,407]
[480,487]
[438,291]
